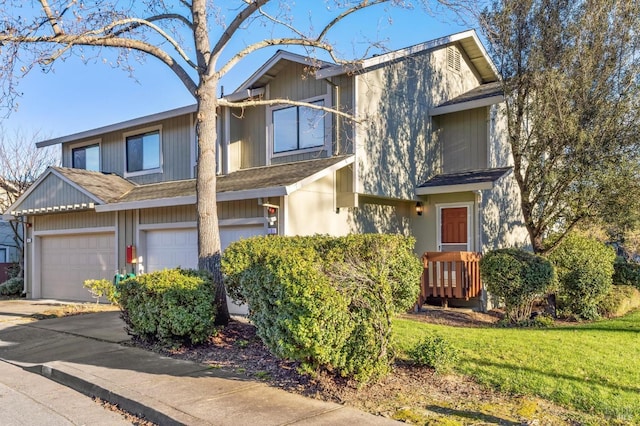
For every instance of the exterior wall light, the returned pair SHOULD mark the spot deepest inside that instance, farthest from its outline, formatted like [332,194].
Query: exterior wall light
[419,208]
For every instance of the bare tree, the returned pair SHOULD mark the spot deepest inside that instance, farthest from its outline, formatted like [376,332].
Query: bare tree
[20,165]
[570,72]
[188,36]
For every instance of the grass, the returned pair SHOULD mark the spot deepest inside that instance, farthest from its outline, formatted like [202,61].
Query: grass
[592,367]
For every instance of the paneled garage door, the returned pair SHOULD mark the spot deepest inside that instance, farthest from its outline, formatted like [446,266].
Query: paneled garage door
[179,247]
[67,261]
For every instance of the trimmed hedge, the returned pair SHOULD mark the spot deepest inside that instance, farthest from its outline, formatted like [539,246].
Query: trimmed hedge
[172,307]
[326,302]
[585,269]
[518,278]
[620,300]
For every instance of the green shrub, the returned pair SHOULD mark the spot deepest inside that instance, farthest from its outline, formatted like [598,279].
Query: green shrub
[620,300]
[585,268]
[171,307]
[518,278]
[626,274]
[436,352]
[102,288]
[12,287]
[343,290]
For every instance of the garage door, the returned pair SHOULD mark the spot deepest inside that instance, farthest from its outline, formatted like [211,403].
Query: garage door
[179,247]
[67,261]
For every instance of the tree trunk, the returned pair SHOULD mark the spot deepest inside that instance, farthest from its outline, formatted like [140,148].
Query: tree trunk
[209,250]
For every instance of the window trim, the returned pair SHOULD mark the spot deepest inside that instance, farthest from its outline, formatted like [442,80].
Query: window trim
[328,125]
[4,254]
[470,225]
[138,132]
[88,143]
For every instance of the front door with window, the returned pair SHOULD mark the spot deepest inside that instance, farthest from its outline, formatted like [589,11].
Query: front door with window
[454,229]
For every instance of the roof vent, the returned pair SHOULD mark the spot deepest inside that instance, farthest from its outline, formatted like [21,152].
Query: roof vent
[453,58]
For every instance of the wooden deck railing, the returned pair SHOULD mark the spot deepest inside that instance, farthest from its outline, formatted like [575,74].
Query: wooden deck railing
[450,275]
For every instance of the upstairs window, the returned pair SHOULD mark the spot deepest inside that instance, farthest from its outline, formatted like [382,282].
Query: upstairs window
[86,157]
[298,127]
[3,255]
[143,152]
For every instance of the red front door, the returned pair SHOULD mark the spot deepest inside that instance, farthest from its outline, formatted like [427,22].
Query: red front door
[454,230]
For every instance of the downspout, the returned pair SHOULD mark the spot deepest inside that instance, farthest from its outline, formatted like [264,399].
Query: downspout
[336,106]
[478,214]
[24,257]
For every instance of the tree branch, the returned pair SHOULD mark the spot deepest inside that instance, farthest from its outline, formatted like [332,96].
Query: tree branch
[273,102]
[239,19]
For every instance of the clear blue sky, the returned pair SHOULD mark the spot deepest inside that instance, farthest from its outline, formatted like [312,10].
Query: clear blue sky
[76,97]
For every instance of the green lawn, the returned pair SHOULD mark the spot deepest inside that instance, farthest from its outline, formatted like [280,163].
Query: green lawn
[593,367]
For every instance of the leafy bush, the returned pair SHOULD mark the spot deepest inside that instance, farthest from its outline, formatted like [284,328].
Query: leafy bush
[102,288]
[171,307]
[620,300]
[518,278]
[436,352]
[12,287]
[326,301]
[585,268]
[625,273]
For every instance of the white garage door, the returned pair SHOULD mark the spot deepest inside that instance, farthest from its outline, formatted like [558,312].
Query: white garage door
[179,247]
[67,261]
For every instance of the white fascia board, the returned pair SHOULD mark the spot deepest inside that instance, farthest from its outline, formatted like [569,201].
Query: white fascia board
[319,175]
[446,189]
[244,94]
[397,54]
[120,126]
[463,106]
[249,194]
[33,186]
[7,216]
[146,204]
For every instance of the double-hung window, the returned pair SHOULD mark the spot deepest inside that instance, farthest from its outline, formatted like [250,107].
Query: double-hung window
[298,127]
[143,152]
[86,157]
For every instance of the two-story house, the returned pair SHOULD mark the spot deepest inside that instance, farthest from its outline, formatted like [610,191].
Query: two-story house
[425,156]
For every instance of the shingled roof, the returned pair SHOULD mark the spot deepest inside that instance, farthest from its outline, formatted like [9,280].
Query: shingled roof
[106,186]
[257,178]
[462,181]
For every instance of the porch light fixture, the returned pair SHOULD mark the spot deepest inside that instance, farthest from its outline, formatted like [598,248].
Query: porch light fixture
[419,208]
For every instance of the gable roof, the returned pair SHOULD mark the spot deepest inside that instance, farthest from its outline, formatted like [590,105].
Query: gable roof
[470,180]
[467,40]
[270,69]
[109,192]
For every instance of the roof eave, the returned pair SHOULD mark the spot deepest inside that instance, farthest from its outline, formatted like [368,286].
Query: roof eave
[447,189]
[467,105]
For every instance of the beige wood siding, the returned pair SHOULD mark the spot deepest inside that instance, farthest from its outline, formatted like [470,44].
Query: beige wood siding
[53,191]
[294,82]
[345,126]
[395,148]
[174,214]
[463,139]
[176,142]
[77,220]
[177,214]
[126,237]
[240,209]
[254,147]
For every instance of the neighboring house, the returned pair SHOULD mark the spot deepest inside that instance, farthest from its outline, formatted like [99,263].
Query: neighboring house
[428,138]
[9,252]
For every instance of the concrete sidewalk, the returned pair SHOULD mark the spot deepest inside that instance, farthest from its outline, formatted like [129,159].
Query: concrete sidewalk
[85,353]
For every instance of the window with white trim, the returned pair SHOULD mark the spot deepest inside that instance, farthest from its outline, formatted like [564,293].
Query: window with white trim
[3,255]
[298,127]
[143,152]
[86,157]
